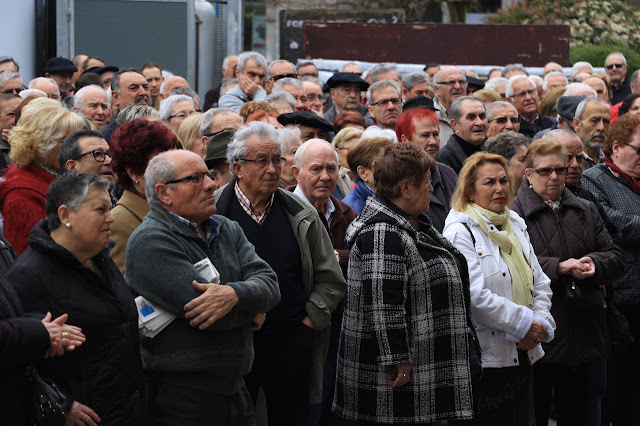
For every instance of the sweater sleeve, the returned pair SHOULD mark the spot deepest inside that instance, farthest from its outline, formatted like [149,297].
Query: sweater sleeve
[21,212]
[21,340]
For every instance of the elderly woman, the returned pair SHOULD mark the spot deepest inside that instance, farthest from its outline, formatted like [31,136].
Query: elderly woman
[189,135]
[35,142]
[290,139]
[132,146]
[631,105]
[175,109]
[420,127]
[616,186]
[577,253]
[403,355]
[510,294]
[362,158]
[67,268]
[513,147]
[343,141]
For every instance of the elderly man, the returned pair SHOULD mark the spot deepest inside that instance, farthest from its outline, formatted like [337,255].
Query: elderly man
[385,103]
[277,70]
[228,71]
[289,355]
[47,85]
[86,151]
[311,126]
[170,84]
[591,123]
[521,92]
[307,69]
[295,88]
[616,67]
[552,80]
[251,73]
[92,102]
[8,105]
[175,109]
[384,72]
[566,112]
[199,267]
[153,73]
[315,97]
[7,63]
[449,84]
[10,82]
[511,70]
[550,67]
[316,170]
[352,67]
[215,122]
[129,87]
[598,85]
[502,117]
[415,84]
[469,123]
[345,89]
[498,84]
[61,70]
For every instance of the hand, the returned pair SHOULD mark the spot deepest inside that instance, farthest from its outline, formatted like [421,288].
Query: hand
[216,302]
[590,267]
[308,322]
[527,344]
[536,332]
[257,321]
[579,269]
[400,375]
[5,134]
[81,415]
[247,85]
[63,337]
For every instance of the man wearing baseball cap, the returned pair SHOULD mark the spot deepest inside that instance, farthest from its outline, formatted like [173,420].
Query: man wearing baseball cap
[61,70]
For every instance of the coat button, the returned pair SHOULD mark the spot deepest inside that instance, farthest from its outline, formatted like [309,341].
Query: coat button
[493,333]
[479,253]
[515,361]
[319,302]
[504,274]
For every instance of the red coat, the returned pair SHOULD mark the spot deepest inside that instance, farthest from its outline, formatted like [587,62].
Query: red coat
[22,197]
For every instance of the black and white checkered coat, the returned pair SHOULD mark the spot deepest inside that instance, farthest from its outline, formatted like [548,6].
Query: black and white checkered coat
[623,208]
[406,302]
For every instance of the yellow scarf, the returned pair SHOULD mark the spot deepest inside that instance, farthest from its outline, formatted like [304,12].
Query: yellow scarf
[510,251]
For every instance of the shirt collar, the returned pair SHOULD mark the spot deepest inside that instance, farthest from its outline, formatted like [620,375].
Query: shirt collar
[330,206]
[248,207]
[210,226]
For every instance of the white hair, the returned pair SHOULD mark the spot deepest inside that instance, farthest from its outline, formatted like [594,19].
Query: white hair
[545,81]
[378,132]
[79,96]
[166,106]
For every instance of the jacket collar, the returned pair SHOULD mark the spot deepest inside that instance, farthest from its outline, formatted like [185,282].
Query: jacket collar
[532,203]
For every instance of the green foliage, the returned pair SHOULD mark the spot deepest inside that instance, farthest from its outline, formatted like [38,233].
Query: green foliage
[592,22]
[596,55]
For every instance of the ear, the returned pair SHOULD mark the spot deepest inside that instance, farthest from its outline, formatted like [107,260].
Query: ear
[296,172]
[615,147]
[404,189]
[63,213]
[237,72]
[116,98]
[163,194]
[332,91]
[527,174]
[576,124]
[205,142]
[405,92]
[362,173]
[130,173]
[70,165]
[454,125]
[631,85]
[370,108]
[237,168]
[404,139]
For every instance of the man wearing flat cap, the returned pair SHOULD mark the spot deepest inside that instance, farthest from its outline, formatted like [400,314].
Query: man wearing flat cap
[346,91]
[105,73]
[311,126]
[216,158]
[566,112]
[419,102]
[61,70]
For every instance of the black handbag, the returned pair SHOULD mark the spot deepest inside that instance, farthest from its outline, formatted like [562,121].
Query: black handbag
[47,405]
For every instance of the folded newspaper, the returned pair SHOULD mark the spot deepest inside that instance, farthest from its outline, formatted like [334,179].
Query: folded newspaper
[153,319]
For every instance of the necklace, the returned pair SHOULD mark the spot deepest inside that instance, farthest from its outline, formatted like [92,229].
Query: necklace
[48,169]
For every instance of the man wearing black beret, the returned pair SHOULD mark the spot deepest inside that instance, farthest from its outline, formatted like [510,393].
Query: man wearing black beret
[61,70]
[311,126]
[345,89]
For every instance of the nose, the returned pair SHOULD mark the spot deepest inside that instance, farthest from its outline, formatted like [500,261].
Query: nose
[109,218]
[509,125]
[430,188]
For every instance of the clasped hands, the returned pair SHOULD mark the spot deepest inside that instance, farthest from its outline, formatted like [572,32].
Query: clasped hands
[533,337]
[578,268]
[62,337]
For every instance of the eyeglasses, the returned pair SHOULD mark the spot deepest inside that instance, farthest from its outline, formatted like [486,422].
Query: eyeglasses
[195,178]
[611,66]
[17,90]
[453,82]
[98,155]
[524,93]
[281,76]
[384,102]
[181,116]
[264,162]
[311,97]
[629,145]
[503,120]
[547,171]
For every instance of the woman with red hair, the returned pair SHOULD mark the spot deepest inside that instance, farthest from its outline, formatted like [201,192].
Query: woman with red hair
[133,145]
[419,126]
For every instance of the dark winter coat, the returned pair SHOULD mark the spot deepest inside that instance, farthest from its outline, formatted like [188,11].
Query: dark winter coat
[576,231]
[105,373]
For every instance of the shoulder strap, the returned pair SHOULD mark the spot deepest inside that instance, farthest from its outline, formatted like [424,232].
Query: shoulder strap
[544,238]
[473,239]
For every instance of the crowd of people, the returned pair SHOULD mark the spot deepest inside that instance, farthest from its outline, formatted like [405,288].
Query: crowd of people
[427,248]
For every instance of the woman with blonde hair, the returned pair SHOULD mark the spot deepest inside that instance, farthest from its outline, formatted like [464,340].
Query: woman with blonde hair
[189,135]
[344,140]
[510,294]
[35,142]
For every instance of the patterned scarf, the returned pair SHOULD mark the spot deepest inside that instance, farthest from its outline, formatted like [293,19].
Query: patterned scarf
[510,251]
